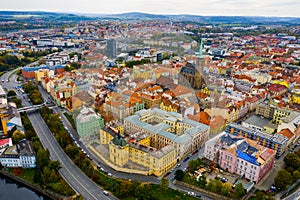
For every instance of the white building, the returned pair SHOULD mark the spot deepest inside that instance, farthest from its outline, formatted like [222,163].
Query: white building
[20,155]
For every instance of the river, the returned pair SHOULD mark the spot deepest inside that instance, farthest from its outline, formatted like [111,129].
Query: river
[11,190]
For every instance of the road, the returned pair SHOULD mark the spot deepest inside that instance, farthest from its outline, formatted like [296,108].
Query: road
[9,75]
[94,157]
[294,196]
[70,172]
[73,175]
[117,174]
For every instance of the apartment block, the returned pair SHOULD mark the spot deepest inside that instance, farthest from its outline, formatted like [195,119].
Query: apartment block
[240,155]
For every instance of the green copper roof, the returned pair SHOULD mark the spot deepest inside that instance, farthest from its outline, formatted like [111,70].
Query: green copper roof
[119,141]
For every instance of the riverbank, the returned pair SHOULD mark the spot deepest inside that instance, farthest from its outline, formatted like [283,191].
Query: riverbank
[49,195]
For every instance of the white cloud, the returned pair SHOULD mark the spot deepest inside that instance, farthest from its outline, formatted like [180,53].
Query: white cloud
[199,7]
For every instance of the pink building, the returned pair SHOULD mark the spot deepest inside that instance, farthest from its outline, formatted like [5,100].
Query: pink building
[239,155]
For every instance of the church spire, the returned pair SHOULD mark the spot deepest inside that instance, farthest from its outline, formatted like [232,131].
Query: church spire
[200,56]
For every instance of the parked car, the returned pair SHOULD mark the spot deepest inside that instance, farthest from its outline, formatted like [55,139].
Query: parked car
[191,193]
[224,180]
[166,174]
[105,193]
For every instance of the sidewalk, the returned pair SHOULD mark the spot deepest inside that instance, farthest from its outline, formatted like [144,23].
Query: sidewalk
[277,196]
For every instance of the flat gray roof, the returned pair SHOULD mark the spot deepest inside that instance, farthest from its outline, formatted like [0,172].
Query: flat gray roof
[257,121]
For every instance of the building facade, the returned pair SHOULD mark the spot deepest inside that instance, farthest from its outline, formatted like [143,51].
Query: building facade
[136,148]
[88,122]
[168,128]
[276,142]
[111,48]
[191,76]
[239,155]
[20,155]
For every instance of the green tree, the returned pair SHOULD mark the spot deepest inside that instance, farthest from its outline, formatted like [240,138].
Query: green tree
[194,165]
[283,179]
[239,191]
[54,165]
[202,181]
[17,136]
[11,93]
[42,159]
[164,183]
[292,160]
[218,185]
[179,175]
[296,175]
[212,185]
[17,101]
[72,151]
[226,189]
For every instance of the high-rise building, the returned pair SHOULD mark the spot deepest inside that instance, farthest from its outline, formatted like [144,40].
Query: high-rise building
[111,48]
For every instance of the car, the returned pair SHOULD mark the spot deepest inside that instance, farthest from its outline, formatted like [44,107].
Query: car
[109,174]
[178,165]
[198,195]
[191,193]
[186,159]
[195,152]
[219,176]
[166,174]
[105,193]
[224,180]
[273,188]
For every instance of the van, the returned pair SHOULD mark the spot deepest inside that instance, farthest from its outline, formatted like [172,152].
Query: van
[105,193]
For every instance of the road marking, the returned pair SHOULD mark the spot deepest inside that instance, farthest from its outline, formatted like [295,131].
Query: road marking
[50,144]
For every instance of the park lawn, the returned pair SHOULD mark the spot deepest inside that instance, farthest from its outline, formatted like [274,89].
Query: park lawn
[156,190]
[27,174]
[161,194]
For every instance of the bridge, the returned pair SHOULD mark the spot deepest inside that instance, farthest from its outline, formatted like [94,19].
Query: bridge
[35,107]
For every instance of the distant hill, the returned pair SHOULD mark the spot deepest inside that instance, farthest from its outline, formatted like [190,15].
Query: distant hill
[139,15]
[206,19]
[51,16]
[145,16]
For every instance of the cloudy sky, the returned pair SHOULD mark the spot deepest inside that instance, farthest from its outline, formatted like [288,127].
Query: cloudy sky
[199,7]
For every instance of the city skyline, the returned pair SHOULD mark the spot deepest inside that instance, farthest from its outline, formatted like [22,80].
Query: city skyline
[279,8]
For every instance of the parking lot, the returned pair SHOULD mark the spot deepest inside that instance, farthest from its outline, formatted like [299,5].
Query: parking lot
[224,176]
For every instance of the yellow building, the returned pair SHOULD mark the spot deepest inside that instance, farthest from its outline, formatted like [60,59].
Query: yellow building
[105,136]
[280,82]
[43,73]
[142,71]
[279,114]
[296,98]
[169,106]
[118,151]
[137,149]
[168,128]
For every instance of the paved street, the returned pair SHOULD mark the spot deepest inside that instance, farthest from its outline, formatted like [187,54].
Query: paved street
[73,175]
[70,172]
[294,196]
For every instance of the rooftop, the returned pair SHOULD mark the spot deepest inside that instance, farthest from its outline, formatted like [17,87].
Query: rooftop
[273,137]
[257,121]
